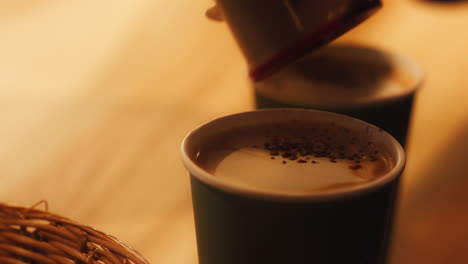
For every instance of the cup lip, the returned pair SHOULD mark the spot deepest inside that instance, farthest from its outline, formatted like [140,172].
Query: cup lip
[397,59]
[207,178]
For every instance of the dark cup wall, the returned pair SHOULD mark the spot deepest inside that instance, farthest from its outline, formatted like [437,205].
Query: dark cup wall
[233,229]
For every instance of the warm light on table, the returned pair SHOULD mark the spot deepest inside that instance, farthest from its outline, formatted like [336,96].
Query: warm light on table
[97,95]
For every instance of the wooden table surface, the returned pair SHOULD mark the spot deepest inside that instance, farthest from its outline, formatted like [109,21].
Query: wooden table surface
[96,96]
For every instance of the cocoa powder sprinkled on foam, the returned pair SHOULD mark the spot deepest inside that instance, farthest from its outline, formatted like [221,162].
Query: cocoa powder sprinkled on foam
[301,148]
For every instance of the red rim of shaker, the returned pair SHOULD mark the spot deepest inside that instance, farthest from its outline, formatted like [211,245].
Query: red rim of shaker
[323,35]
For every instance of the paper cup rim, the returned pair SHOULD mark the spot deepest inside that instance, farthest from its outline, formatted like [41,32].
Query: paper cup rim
[402,61]
[207,178]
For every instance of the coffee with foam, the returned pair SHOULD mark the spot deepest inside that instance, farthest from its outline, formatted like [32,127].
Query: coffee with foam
[341,76]
[294,158]
[292,186]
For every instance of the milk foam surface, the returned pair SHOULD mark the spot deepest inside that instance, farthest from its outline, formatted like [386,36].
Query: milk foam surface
[292,160]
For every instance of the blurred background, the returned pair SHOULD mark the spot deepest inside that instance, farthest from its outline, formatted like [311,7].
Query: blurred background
[96,96]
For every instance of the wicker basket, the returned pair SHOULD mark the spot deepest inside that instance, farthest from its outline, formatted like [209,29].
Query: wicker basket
[32,236]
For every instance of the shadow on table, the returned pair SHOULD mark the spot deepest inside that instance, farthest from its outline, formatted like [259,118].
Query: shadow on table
[432,226]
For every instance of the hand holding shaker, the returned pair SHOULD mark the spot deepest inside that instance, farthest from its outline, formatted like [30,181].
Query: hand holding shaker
[274,33]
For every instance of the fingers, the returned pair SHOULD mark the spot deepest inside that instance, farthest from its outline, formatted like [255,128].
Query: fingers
[214,13]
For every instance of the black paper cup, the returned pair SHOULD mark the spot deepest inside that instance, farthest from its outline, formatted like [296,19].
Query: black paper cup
[237,224]
[369,84]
